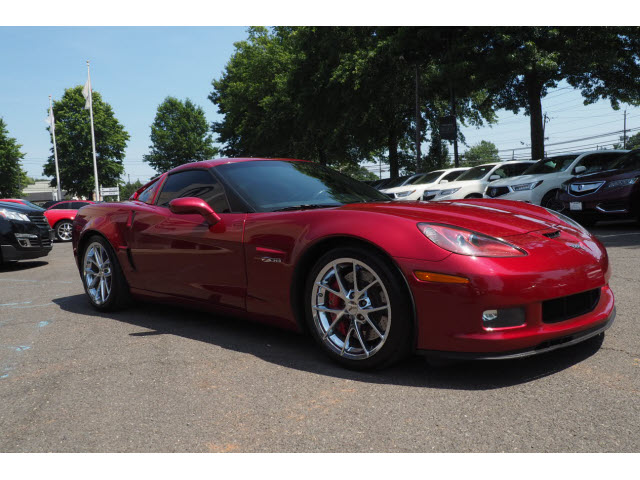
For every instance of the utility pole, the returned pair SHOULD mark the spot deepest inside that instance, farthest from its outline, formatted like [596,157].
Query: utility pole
[624,134]
[418,153]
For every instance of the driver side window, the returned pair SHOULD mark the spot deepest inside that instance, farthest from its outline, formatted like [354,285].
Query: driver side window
[194,183]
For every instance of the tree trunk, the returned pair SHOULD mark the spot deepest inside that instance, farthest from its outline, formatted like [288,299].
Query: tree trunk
[393,154]
[534,92]
[322,157]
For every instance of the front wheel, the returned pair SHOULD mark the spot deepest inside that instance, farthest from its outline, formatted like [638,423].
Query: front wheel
[357,309]
[102,277]
[64,230]
[551,201]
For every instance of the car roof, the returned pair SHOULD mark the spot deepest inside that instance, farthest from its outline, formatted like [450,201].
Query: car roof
[222,161]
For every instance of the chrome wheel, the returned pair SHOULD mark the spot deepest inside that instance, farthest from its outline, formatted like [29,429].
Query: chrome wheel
[64,231]
[97,273]
[351,308]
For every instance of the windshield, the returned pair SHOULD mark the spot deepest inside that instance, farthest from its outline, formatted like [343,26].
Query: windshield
[475,173]
[551,165]
[425,178]
[627,162]
[395,182]
[273,185]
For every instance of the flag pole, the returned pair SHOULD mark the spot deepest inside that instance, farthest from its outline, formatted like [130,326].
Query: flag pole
[55,148]
[93,136]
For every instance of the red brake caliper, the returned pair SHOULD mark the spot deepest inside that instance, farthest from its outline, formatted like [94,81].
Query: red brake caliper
[335,302]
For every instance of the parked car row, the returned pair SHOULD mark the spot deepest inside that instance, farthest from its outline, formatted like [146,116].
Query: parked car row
[58,215]
[589,186]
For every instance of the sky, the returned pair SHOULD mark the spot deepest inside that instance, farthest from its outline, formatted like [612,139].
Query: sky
[135,68]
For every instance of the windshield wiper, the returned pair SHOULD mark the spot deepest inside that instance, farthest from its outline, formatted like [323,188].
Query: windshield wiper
[307,206]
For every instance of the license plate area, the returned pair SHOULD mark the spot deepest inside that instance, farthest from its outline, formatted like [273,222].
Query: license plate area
[575,206]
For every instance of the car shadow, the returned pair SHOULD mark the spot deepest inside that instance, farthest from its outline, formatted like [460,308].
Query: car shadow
[21,265]
[292,350]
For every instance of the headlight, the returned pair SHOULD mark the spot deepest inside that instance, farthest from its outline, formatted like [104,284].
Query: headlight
[405,193]
[621,183]
[568,220]
[449,191]
[525,186]
[11,215]
[467,242]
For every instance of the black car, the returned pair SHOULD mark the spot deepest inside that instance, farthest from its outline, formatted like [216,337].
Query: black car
[24,233]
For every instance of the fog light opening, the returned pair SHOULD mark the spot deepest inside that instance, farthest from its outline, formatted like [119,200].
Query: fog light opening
[503,318]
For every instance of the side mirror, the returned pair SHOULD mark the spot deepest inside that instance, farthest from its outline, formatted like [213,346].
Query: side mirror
[187,205]
[494,177]
[443,181]
[579,169]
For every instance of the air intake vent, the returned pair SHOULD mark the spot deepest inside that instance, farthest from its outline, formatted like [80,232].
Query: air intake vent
[555,234]
[564,308]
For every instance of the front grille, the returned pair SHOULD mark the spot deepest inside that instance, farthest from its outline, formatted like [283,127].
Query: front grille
[497,191]
[39,220]
[564,308]
[578,189]
[428,195]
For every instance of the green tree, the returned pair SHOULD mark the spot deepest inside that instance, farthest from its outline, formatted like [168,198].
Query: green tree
[179,134]
[520,64]
[632,142]
[73,138]
[482,152]
[127,189]
[12,177]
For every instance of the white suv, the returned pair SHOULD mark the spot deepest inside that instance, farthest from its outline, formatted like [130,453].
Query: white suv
[472,183]
[413,188]
[540,183]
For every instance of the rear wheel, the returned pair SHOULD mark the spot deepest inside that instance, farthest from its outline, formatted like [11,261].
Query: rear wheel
[357,309]
[64,229]
[102,277]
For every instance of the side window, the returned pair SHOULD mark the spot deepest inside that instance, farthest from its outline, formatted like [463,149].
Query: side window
[194,183]
[147,194]
[501,172]
[451,176]
[61,206]
[78,205]
[595,162]
[518,169]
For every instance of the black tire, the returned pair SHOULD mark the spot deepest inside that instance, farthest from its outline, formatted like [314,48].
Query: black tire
[119,295]
[550,201]
[398,331]
[62,230]
[473,195]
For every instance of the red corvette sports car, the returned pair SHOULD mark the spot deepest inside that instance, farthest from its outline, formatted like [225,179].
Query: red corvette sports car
[300,246]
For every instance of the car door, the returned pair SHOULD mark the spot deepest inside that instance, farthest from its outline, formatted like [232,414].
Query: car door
[182,255]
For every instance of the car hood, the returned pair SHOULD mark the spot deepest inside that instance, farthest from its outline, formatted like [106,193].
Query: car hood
[520,179]
[497,218]
[19,207]
[411,187]
[607,175]
[456,184]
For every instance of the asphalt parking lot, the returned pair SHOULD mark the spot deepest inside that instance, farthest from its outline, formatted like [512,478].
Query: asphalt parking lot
[158,379]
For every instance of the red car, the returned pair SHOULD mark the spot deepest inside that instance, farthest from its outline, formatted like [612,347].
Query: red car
[60,216]
[298,245]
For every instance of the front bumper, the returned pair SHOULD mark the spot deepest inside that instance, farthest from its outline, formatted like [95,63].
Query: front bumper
[24,241]
[449,316]
[616,203]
